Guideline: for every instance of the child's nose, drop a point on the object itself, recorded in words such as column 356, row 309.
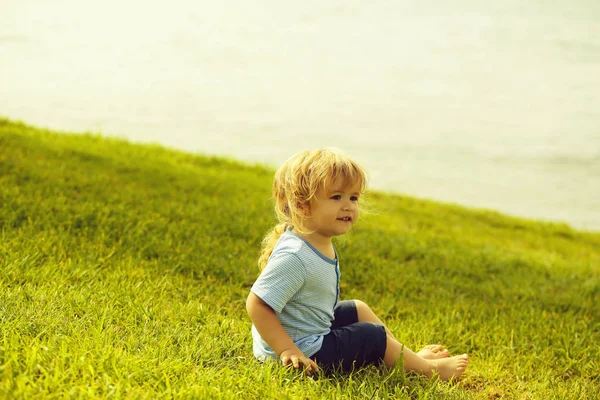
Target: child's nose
column 349, row 206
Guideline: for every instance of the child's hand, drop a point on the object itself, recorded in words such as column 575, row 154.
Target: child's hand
column 295, row 357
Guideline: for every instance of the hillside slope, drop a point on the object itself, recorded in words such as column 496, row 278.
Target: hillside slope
column 124, row 270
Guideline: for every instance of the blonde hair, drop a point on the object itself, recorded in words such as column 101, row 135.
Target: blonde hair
column 296, row 184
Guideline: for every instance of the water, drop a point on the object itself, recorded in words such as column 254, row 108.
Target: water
column 487, row 105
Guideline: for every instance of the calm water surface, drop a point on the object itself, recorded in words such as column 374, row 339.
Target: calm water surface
column 487, row 105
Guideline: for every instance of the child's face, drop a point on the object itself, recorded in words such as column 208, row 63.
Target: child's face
column 334, row 211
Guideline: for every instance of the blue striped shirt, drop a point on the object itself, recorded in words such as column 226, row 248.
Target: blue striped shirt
column 302, row 286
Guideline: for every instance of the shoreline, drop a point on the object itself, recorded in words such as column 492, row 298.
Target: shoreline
column 441, row 200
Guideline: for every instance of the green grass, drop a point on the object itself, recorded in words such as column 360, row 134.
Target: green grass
column 124, row 270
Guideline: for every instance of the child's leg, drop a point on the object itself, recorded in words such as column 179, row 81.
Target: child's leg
column 447, row 368
column 430, row 352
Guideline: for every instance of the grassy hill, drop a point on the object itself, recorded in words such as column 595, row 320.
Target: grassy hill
column 124, row 270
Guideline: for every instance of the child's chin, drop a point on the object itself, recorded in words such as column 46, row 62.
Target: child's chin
column 344, row 231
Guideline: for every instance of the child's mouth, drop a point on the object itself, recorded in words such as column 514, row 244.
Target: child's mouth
column 345, row 219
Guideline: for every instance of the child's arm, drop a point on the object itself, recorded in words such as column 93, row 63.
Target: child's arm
column 268, row 325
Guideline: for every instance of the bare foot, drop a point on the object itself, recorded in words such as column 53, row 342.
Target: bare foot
column 433, row 352
column 453, row 367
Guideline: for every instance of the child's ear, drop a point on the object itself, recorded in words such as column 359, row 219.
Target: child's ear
column 304, row 209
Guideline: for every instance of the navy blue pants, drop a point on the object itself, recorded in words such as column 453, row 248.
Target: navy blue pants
column 351, row 344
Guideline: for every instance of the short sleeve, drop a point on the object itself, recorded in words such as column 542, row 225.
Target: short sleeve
column 281, row 279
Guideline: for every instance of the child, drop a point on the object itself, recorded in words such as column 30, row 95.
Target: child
column 294, row 303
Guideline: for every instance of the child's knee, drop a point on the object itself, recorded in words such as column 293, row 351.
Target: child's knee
column 364, row 312
column 361, row 306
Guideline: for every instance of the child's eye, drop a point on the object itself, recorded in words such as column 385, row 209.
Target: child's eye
column 354, row 198
column 336, row 197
